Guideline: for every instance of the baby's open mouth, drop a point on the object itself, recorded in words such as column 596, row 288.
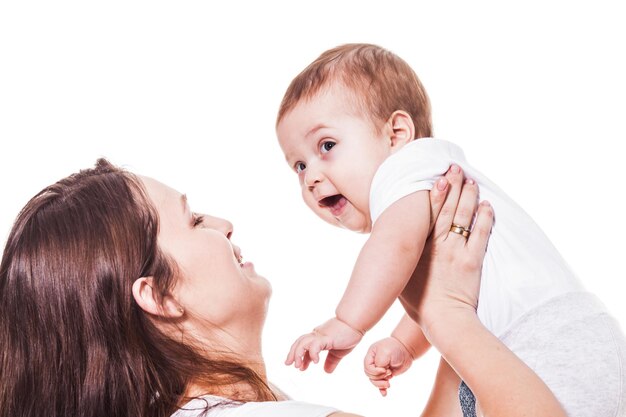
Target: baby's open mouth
column 330, row 201
column 334, row 202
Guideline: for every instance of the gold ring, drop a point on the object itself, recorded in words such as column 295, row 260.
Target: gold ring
column 463, row 231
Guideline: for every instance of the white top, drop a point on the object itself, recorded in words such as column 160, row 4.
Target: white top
column 521, row 269
column 223, row 407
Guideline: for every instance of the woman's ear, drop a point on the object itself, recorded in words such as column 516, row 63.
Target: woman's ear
column 402, row 129
column 146, row 298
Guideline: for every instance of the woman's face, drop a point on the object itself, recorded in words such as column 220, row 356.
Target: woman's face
column 214, row 286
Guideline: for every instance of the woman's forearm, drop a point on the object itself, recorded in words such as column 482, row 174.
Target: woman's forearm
column 502, row 384
column 445, row 308
column 444, row 397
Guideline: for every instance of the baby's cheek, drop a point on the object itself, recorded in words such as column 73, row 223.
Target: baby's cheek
column 323, row 214
column 362, row 216
column 360, row 223
column 367, row 228
column 310, row 202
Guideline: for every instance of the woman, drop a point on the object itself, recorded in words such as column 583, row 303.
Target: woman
column 117, row 300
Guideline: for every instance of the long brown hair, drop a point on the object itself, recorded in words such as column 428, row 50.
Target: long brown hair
column 73, row 341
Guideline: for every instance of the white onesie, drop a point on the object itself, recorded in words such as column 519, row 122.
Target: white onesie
column 522, row 268
column 529, row 297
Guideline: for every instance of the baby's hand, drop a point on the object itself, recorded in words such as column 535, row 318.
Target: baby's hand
column 335, row 336
column 384, row 360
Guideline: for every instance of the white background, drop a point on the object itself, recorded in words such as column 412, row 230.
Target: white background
column 187, row 92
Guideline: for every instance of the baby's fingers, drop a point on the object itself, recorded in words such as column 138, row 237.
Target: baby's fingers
column 314, row 349
column 384, row 375
column 297, row 352
column 369, row 365
column 306, row 361
column 382, row 385
column 373, row 371
column 377, row 372
column 332, row 360
column 291, row 356
column 306, row 350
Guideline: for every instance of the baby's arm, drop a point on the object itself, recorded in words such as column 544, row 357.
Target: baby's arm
column 382, row 270
column 392, row 356
column 386, row 262
column 410, row 334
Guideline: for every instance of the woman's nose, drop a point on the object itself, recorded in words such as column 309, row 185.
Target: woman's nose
column 219, row 224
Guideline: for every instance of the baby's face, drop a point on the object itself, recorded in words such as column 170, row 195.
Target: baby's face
column 335, row 151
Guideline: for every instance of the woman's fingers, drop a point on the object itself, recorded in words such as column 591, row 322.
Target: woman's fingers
column 437, row 198
column 465, row 210
column 477, row 241
column 454, row 176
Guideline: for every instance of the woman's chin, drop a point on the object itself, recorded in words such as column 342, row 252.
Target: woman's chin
column 248, row 268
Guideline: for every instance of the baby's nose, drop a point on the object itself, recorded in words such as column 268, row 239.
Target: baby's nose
column 312, row 177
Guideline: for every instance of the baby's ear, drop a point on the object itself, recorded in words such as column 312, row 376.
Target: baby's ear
column 146, row 298
column 402, row 129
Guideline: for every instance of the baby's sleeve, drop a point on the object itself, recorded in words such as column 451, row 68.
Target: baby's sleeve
column 415, row 167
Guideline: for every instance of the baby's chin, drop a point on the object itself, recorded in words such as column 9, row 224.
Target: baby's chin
column 353, row 225
column 362, row 227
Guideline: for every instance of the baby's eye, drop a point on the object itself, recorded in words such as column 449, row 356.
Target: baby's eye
column 327, row 146
column 299, row 167
column 197, row 219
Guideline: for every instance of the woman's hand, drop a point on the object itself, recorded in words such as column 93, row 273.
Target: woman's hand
column 453, row 262
column 435, row 291
column 446, row 285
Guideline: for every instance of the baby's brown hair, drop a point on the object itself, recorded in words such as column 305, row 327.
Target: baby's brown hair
column 381, row 81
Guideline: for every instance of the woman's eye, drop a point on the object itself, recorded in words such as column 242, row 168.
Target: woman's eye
column 327, row 146
column 299, row 166
column 197, row 220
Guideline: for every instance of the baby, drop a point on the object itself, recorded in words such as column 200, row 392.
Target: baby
column 355, row 126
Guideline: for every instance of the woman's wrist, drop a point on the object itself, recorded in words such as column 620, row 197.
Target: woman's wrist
column 491, row 370
column 446, row 328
